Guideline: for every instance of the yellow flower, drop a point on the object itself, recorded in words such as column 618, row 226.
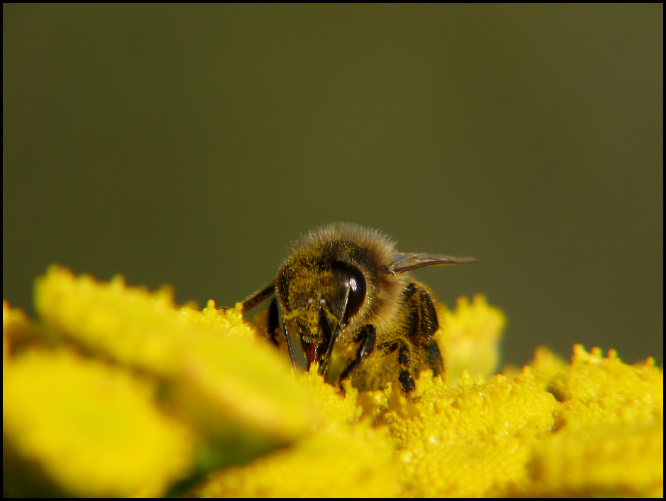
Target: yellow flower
column 93, row 429
column 469, row 338
column 159, row 396
column 340, row 460
column 234, row 396
column 610, row 436
column 604, row 460
column 604, row 391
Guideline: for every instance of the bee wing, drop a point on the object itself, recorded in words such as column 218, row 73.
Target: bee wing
column 259, row 297
column 403, row 262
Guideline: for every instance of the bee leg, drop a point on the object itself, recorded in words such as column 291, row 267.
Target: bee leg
column 434, row 358
column 291, row 351
column 273, row 323
column 424, row 334
column 407, row 373
column 424, row 328
column 273, row 327
column 367, row 336
column 258, row 297
column 419, row 345
column 406, row 377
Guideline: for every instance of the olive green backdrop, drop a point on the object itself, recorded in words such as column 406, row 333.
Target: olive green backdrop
column 189, row 144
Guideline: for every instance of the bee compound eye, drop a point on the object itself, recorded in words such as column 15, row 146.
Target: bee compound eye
column 356, row 284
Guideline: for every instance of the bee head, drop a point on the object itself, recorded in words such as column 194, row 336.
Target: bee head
column 337, row 278
column 319, row 296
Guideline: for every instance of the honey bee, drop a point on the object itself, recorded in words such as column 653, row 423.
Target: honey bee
column 345, row 295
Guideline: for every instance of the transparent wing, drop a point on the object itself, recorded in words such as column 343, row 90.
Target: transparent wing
column 403, row 262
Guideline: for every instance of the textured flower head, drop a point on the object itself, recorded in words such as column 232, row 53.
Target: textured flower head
column 117, row 391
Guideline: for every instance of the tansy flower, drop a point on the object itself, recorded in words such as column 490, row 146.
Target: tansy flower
column 117, row 391
column 78, row 425
column 231, row 397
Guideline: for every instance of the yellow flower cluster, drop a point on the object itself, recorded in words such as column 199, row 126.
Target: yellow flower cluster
column 116, row 391
column 117, row 380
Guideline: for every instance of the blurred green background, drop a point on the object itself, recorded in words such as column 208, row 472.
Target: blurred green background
column 189, row 144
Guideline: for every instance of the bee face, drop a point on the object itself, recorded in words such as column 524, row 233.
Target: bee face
column 344, row 288
column 319, row 298
column 333, row 281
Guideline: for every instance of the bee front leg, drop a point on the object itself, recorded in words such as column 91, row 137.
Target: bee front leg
column 273, row 323
column 258, row 297
column 367, row 336
column 274, row 328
